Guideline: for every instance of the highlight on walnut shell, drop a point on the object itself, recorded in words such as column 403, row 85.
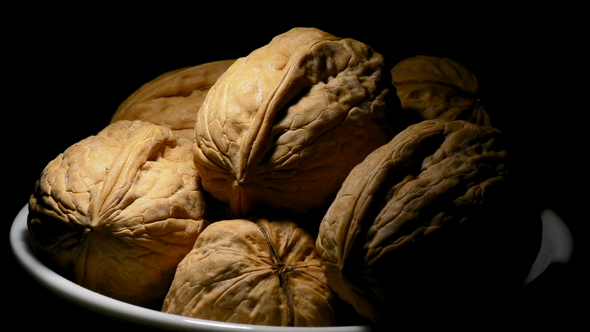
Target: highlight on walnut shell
column 116, row 212
column 390, row 233
column 173, row 98
column 436, row 87
column 284, row 125
column 253, row 272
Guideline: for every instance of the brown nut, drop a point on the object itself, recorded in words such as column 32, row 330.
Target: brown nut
column 116, row 212
column 438, row 88
column 399, row 202
column 262, row 272
column 284, row 126
column 173, row 98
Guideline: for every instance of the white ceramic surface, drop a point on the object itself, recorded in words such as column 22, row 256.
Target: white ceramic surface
column 556, row 247
column 557, row 244
column 62, row 287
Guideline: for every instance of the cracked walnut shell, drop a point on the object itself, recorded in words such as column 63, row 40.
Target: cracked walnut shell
column 116, row 212
column 394, row 221
column 253, row 272
column 283, row 126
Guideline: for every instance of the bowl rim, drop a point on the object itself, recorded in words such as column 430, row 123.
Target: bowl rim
column 556, row 247
column 64, row 288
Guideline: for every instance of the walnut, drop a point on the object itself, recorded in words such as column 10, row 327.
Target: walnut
column 438, row 88
column 396, row 216
column 262, row 272
column 116, row 212
column 284, row 126
column 173, row 98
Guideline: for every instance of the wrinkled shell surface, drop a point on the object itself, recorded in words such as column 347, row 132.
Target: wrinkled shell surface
column 116, row 212
column 438, row 88
column 248, row 272
column 432, row 176
column 283, row 126
column 173, row 98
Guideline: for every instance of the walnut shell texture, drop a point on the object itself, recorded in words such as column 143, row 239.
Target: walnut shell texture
column 116, row 212
column 173, row 98
column 262, row 272
column 431, row 178
column 439, row 88
column 283, row 126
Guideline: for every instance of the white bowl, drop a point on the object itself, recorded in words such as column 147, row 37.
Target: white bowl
column 64, row 288
column 556, row 247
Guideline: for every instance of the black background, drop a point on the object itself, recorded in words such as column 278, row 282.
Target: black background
column 69, row 68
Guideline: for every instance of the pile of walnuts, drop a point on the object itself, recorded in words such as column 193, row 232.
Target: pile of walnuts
column 287, row 187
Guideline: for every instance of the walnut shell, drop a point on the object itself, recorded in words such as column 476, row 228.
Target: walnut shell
column 284, row 126
column 399, row 210
column 173, row 98
column 439, row 88
column 116, row 212
column 262, row 272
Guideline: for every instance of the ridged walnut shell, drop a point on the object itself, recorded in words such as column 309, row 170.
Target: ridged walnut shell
column 116, row 212
column 285, row 125
column 398, row 211
column 173, row 98
column 439, row 88
column 262, row 272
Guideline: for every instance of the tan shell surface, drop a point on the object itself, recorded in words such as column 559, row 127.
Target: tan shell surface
column 439, row 88
column 173, row 98
column 261, row 272
column 116, row 212
column 430, row 178
column 283, row 126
